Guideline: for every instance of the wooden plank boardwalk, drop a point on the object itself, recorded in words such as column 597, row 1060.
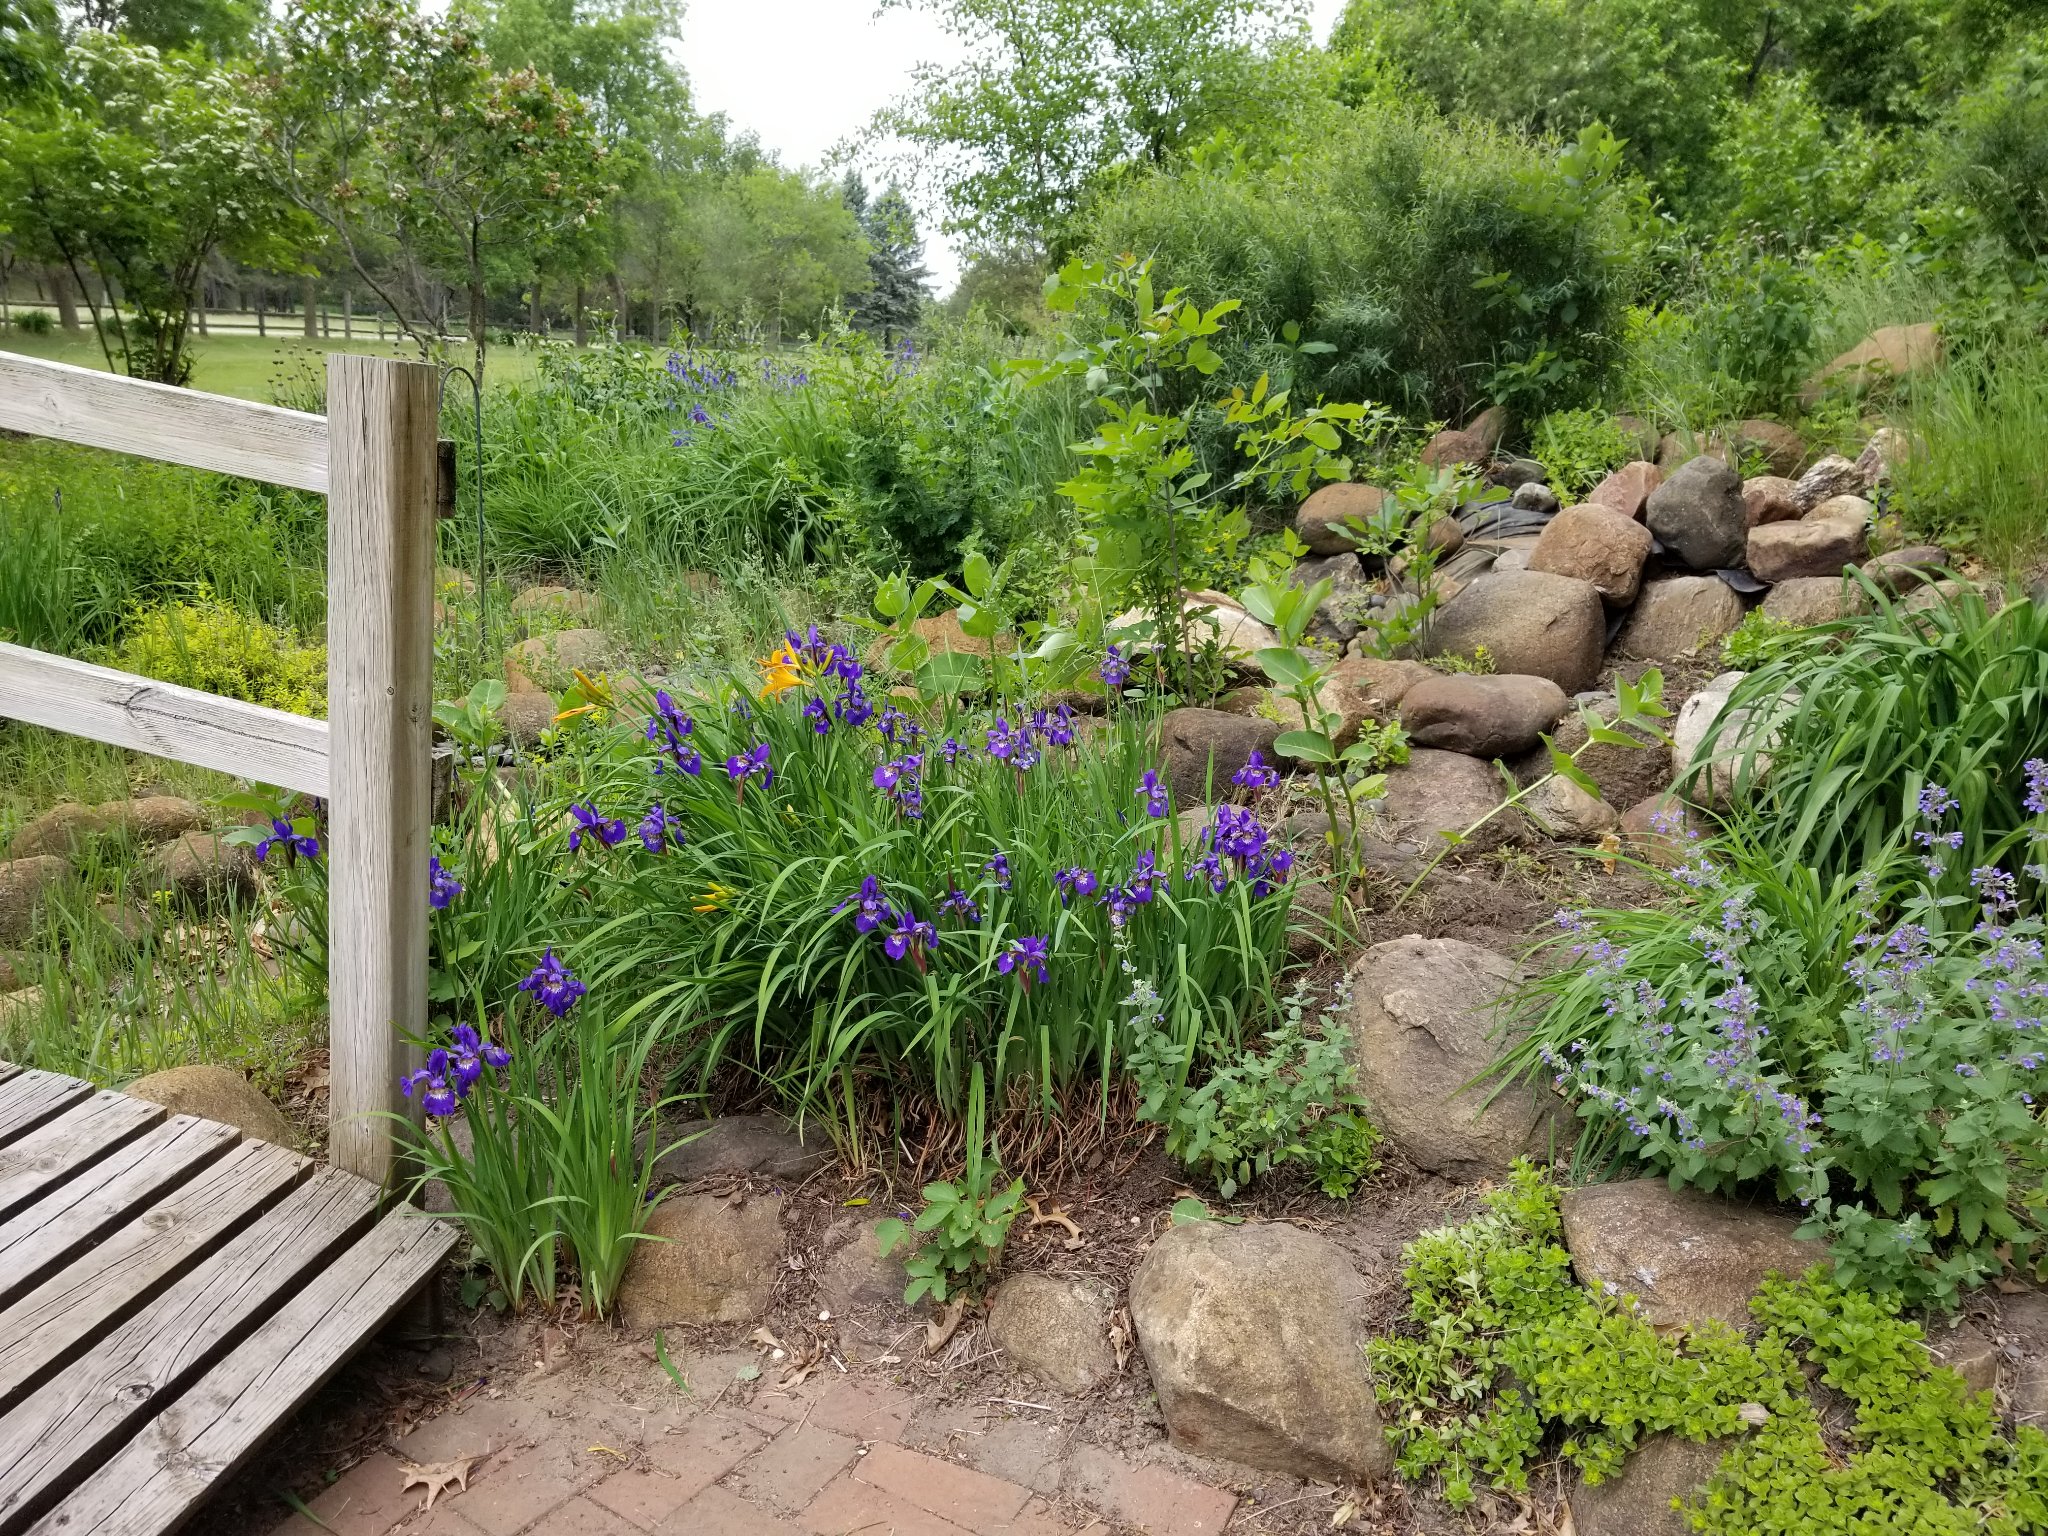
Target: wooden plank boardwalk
column 169, row 1294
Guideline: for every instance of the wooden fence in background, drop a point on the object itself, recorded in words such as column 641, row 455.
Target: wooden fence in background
column 375, row 456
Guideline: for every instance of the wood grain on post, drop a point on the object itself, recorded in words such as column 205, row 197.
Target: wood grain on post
column 383, row 434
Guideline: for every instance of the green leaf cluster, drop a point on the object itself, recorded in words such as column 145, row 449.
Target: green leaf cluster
column 963, row 1226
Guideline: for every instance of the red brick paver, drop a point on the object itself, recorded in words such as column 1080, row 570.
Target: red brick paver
column 866, row 1410
column 848, row 1505
column 967, row 1498
column 718, row 1512
column 796, row 1464
column 1157, row 1501
column 679, row 1467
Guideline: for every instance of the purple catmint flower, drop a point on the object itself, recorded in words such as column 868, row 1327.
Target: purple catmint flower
column 442, row 886
column 1936, row 802
column 1116, row 669
column 2036, row 770
column 871, row 905
column 1255, row 774
column 1154, row 794
column 553, row 985
column 670, row 730
column 1025, row 958
column 609, row 831
column 303, row 844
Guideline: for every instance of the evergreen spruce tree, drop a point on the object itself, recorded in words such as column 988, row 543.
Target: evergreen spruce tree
column 901, row 288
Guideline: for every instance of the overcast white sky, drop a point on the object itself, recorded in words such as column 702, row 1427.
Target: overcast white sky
column 805, row 74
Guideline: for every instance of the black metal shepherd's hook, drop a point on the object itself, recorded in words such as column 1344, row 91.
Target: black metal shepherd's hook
column 476, row 392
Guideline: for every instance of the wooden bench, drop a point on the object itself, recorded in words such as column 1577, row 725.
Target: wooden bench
column 169, row 1294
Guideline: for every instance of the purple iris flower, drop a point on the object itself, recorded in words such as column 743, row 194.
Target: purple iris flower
column 609, row 831
column 746, row 764
column 1075, row 882
column 909, row 939
column 1026, row 958
column 658, row 829
column 670, row 729
column 998, row 869
column 300, row 843
column 853, row 707
column 1255, row 774
column 874, row 906
column 820, row 716
column 1153, row 793
column 962, row 903
column 1116, row 669
column 442, row 887
column 553, row 985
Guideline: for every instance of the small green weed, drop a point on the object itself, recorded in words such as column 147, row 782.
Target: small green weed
column 1579, row 448
column 964, row 1225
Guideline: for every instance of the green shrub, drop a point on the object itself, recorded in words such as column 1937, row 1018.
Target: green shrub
column 1997, row 157
column 1861, row 1044
column 207, row 645
column 1579, row 448
column 34, row 322
column 1431, row 266
column 1502, row 1360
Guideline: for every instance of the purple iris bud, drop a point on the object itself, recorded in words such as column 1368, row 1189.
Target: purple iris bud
column 1025, row 958
column 609, row 831
column 950, row 749
column 960, row 902
column 442, row 887
column 553, row 985
column 1153, row 793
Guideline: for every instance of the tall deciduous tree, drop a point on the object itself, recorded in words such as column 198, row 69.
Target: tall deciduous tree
column 425, row 163
column 1053, row 97
column 135, row 167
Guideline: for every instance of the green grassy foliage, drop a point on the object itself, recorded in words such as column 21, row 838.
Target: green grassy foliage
column 1976, row 471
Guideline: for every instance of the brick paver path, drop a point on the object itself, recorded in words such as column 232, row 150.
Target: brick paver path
column 827, row 1460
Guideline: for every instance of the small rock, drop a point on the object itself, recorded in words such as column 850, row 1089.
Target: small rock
column 1449, row 447
column 1952, row 593
column 1374, row 687
column 1437, row 792
column 1058, row 1330
column 1676, row 448
column 764, row 1144
column 216, row 1093
column 1534, row 496
column 1686, row 1256
column 564, row 605
column 1661, row 829
column 1768, row 499
column 1787, row 551
column 526, row 713
column 1638, row 1500
column 856, row 1273
column 1697, row 719
column 454, row 581
column 1563, row 810
column 1532, row 622
column 1312, row 914
column 1204, row 747
column 1783, row 448
column 1843, row 509
column 718, row 1263
column 1319, row 521
column 1238, row 635
column 64, row 830
column 25, row 885
column 1886, row 448
column 1965, row 1351
column 127, row 921
column 1833, row 476
column 1679, row 616
column 1254, row 1336
column 203, row 870
column 547, row 661
column 1481, row 716
column 1513, row 474
column 1698, row 516
column 1805, row 601
column 1597, row 544
column 1903, row 570
column 153, row 819
column 1423, row 1016
column 437, row 1365
column 1627, row 489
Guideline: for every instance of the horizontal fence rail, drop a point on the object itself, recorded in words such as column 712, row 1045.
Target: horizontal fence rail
column 267, row 746
column 159, row 421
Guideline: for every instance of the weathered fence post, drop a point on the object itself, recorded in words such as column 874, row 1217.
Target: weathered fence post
column 383, row 428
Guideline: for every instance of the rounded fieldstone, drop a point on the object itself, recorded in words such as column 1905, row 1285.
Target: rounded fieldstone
column 711, row 1261
column 1805, row 601
column 1204, row 747
column 856, row 1273
column 1660, row 829
column 547, row 661
column 1424, row 1013
column 1625, row 490
column 1679, row 616
column 1450, row 447
column 1530, row 622
column 1597, row 544
column 1319, row 521
column 204, row 870
column 153, row 819
column 1830, row 477
column 1638, row 1500
column 1435, row 792
column 1481, row 716
column 63, row 830
column 1769, row 499
column 25, row 886
column 216, row 1093
column 1814, row 547
column 1904, row 570
column 1562, row 809
column 1782, row 447
column 1058, row 1330
column 1697, row 514
column 1254, row 1336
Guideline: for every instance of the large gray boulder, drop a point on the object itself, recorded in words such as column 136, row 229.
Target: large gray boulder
column 1254, row 1336
column 1698, row 516
column 1679, row 616
column 1204, row 747
column 1481, row 716
column 710, row 1261
column 1532, row 622
column 1686, row 1256
column 1057, row 1330
column 1423, row 1016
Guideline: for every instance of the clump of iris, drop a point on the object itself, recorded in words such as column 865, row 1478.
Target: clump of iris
column 1236, row 843
column 670, row 730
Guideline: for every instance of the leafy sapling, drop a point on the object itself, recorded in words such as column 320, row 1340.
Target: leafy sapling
column 963, row 1225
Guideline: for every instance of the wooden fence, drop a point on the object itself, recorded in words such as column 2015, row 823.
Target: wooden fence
column 375, row 456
